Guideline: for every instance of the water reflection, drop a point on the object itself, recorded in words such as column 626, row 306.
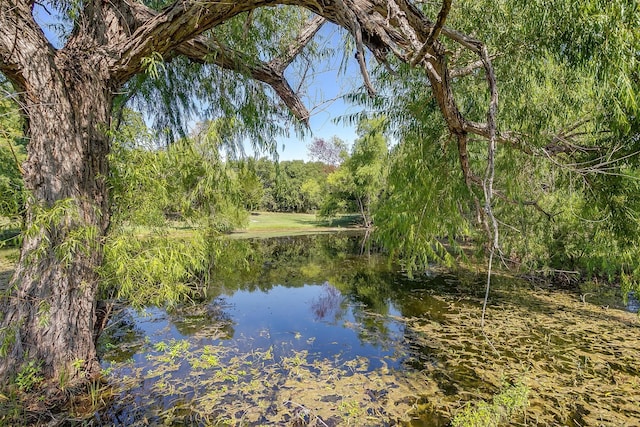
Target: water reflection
column 307, row 327
column 328, row 304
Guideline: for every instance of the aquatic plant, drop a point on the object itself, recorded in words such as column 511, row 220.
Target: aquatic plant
column 510, row 400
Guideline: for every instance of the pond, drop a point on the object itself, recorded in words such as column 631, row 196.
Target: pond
column 318, row 330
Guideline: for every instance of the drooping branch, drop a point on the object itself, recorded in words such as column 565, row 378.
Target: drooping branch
column 395, row 26
column 487, row 183
column 201, row 50
column 271, row 73
column 492, row 113
column 356, row 30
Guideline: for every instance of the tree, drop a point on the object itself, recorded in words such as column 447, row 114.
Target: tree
column 331, row 152
column 311, row 195
column 566, row 162
column 68, row 95
column 251, row 186
column 368, row 166
column 361, row 179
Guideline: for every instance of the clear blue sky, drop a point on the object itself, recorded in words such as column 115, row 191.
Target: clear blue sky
column 322, row 93
column 323, row 97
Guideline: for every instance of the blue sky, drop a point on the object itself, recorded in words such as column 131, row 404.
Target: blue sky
column 322, row 95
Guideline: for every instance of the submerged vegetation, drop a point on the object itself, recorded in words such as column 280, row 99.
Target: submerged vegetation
column 504, row 405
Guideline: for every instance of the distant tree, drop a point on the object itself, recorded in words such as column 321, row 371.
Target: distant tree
column 332, row 152
column 368, row 165
column 361, row 179
column 251, row 187
column 312, row 195
column 340, row 195
column 283, row 184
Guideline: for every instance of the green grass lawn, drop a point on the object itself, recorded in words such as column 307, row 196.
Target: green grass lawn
column 265, row 224
column 8, row 259
column 271, row 224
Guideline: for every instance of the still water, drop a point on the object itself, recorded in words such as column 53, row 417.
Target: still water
column 320, row 330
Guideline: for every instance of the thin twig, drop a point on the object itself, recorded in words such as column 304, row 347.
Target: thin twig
column 490, row 171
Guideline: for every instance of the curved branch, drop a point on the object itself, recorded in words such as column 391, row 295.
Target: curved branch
column 142, row 20
column 21, row 43
column 202, row 51
column 163, row 32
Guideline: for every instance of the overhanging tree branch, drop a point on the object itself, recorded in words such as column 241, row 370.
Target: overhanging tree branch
column 163, row 32
column 201, row 50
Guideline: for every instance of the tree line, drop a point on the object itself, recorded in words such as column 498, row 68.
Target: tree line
column 198, row 178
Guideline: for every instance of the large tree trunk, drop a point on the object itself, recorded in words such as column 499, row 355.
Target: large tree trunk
column 49, row 314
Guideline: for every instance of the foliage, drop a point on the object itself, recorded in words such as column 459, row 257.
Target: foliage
column 361, row 178
column 29, row 376
column 251, row 189
column 12, row 154
column 509, row 401
column 567, row 168
column 180, row 90
column 188, row 180
column 157, row 270
column 289, row 186
column 78, row 238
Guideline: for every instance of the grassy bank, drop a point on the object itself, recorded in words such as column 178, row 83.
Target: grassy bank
column 8, row 258
column 260, row 225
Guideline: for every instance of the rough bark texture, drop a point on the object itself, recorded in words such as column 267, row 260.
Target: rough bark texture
column 50, row 313
column 67, row 96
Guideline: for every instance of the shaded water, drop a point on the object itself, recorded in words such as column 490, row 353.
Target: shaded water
column 309, row 331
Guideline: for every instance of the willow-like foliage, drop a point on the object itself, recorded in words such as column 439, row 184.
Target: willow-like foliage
column 565, row 180
column 12, row 154
column 175, row 93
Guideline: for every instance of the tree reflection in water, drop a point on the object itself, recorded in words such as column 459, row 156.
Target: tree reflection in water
column 327, row 305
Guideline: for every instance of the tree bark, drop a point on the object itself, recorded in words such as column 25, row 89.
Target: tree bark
column 50, row 316
column 49, row 313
